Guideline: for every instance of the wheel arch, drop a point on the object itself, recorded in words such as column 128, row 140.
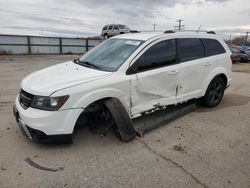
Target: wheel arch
column 116, row 110
column 218, row 72
column 224, row 78
column 102, row 94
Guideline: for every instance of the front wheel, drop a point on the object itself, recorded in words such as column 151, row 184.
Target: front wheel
column 214, row 93
column 106, row 36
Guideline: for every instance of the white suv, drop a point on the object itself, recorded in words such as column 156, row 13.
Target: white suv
column 114, row 29
column 120, row 79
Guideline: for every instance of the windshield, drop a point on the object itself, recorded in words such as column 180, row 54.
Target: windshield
column 111, row 54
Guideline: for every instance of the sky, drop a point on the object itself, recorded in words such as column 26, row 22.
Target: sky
column 80, row 18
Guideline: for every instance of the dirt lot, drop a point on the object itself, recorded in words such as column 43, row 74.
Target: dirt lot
column 206, row 148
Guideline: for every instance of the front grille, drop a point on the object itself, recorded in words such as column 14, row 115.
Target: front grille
column 25, row 99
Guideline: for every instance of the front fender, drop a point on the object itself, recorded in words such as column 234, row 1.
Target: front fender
column 99, row 94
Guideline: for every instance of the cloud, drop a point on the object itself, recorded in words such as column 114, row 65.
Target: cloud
column 217, row 1
column 87, row 17
column 52, row 30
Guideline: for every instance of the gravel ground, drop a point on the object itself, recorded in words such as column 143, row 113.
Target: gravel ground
column 206, row 148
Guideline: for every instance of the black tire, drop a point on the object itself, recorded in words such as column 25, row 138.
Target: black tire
column 214, row 93
column 243, row 60
column 123, row 123
column 106, row 36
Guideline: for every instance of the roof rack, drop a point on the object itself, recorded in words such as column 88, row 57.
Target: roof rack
column 169, row 31
column 197, row 31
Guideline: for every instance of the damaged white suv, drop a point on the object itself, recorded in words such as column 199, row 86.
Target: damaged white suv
column 121, row 79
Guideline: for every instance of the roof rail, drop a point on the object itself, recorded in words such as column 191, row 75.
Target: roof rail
column 211, row 32
column 197, row 31
column 169, row 31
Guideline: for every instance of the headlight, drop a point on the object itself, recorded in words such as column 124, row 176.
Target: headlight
column 48, row 103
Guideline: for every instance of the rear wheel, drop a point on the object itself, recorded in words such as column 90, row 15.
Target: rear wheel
column 214, row 93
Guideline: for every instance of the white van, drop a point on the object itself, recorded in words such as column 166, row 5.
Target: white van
column 121, row 79
column 113, row 30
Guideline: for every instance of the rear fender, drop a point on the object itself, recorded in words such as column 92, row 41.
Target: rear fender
column 217, row 71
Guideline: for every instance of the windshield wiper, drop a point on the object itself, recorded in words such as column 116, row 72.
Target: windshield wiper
column 86, row 63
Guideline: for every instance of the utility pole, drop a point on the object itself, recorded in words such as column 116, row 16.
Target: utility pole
column 246, row 37
column 199, row 29
column 154, row 25
column 179, row 27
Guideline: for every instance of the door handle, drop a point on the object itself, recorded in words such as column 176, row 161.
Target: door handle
column 208, row 63
column 173, row 72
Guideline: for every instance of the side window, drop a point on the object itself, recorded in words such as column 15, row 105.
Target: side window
column 122, row 26
column 115, row 27
column 191, row 49
column 213, row 47
column 105, row 27
column 161, row 54
column 110, row 27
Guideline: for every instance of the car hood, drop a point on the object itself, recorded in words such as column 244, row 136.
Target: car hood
column 60, row 76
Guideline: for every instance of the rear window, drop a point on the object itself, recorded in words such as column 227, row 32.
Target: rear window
column 213, row 47
column 123, row 27
column 191, row 49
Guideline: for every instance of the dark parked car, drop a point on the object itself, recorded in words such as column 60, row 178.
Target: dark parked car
column 247, row 52
column 239, row 56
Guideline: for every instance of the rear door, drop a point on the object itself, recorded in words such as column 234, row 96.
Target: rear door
column 198, row 58
column 193, row 65
column 154, row 77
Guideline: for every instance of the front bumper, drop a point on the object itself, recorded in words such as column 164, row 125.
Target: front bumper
column 20, row 123
column 46, row 126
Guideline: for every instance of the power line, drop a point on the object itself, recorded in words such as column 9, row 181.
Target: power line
column 179, row 27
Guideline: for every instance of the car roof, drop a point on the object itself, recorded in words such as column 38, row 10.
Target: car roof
column 138, row 36
column 144, row 36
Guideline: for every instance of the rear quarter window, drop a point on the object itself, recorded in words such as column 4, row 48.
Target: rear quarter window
column 213, row 47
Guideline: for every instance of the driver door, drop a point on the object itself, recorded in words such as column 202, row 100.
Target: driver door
column 155, row 77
